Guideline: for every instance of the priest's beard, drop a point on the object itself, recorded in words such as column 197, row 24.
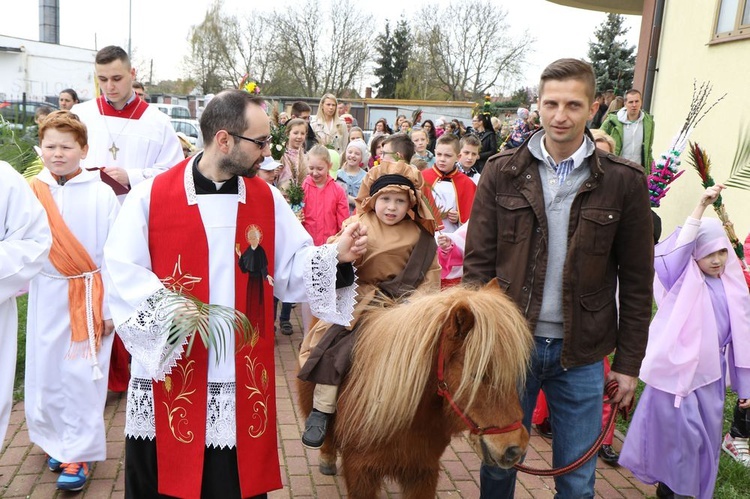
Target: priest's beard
column 236, row 162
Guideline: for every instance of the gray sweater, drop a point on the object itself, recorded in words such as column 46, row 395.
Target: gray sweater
column 558, row 199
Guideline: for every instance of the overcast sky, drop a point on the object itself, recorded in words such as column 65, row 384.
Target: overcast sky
column 160, row 28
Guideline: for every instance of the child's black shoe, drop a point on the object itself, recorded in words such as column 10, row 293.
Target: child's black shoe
column 315, row 429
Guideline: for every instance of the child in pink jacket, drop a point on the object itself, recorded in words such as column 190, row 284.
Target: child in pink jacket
column 326, row 206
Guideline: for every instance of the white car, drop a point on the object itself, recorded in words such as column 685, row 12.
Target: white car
column 173, row 111
column 191, row 128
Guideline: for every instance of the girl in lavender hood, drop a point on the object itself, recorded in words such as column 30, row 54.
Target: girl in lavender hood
column 702, row 328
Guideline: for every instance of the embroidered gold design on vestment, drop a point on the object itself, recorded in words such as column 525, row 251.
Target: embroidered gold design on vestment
column 176, row 410
column 257, row 374
column 179, row 282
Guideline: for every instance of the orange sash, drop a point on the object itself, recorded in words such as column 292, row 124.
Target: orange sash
column 85, row 288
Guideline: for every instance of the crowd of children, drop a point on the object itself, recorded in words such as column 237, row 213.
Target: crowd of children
column 414, row 191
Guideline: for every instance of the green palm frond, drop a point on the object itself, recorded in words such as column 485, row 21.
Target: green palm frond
column 192, row 318
column 14, row 149
column 739, row 175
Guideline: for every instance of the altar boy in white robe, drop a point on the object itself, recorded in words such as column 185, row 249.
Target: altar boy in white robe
column 69, row 330
column 199, row 425
column 129, row 139
column 24, row 243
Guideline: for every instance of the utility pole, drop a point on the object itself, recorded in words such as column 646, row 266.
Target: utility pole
column 130, row 26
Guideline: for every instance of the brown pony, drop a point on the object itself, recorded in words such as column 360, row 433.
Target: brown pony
column 391, row 420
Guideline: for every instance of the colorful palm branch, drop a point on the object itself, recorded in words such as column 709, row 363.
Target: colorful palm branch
column 702, row 164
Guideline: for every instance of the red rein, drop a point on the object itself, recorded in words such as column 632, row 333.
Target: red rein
column 443, row 391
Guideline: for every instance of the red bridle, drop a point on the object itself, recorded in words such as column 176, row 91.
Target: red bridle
column 444, row 392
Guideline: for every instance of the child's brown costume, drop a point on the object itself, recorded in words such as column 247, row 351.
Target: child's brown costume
column 400, row 259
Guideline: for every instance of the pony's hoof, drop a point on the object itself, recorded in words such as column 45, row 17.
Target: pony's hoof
column 327, row 469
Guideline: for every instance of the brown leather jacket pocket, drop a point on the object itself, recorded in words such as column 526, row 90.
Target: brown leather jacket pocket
column 598, row 317
column 598, row 229
column 515, row 217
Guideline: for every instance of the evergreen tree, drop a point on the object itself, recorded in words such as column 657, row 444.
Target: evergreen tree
column 393, row 58
column 386, row 84
column 612, row 59
column 400, row 52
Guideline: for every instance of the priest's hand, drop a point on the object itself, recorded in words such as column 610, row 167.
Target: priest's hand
column 118, row 174
column 352, row 243
column 109, row 327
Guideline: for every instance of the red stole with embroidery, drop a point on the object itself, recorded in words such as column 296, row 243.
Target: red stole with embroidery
column 179, row 256
column 463, row 187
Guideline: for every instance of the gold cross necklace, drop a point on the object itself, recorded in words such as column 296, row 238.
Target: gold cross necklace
column 114, row 149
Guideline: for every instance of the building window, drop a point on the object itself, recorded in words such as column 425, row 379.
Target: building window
column 732, row 21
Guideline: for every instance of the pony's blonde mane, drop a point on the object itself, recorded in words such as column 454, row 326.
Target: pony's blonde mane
column 396, row 350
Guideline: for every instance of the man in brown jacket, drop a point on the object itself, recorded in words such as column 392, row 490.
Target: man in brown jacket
column 561, row 226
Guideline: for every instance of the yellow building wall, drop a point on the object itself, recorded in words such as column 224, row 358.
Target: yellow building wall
column 685, row 56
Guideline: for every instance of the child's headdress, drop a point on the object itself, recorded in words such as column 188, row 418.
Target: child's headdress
column 396, row 177
column 711, row 237
column 360, row 144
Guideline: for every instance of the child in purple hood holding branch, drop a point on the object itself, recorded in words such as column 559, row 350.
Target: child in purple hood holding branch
column 702, row 328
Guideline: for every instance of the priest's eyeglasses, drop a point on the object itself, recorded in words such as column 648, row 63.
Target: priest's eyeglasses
column 262, row 143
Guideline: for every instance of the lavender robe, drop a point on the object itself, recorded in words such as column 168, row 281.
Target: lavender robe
column 675, row 435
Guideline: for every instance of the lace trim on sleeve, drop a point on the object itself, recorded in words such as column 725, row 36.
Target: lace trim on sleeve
column 220, row 413
column 326, row 302
column 145, row 335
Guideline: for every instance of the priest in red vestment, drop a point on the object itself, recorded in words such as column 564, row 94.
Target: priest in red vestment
column 204, row 424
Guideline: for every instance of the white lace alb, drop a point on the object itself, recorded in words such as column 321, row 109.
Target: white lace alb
column 220, row 413
column 326, row 302
column 145, row 334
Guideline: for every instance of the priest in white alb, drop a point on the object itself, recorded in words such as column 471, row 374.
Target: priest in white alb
column 25, row 241
column 202, row 425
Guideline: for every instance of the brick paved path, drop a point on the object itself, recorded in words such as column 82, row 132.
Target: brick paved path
column 23, row 472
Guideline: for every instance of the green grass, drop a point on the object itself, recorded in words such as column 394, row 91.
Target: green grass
column 733, row 481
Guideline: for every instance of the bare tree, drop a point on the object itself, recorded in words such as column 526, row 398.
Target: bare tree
column 322, row 51
column 208, row 51
column 418, row 81
column 469, row 47
column 296, row 46
column 349, row 49
column 250, row 42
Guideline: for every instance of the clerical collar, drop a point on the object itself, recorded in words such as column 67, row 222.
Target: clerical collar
column 132, row 98
column 207, row 186
column 63, row 179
